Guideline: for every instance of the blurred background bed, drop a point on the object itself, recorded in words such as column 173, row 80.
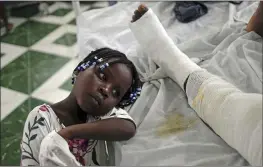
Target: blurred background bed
column 45, row 47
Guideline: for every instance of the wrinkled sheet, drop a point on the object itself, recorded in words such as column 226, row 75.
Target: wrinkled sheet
column 217, row 41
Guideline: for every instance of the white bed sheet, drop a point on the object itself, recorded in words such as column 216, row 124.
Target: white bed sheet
column 218, row 38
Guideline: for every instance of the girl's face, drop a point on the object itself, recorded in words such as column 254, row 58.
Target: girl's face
column 97, row 92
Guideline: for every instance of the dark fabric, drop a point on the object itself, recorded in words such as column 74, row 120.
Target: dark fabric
column 186, row 11
column 111, row 3
column 236, row 2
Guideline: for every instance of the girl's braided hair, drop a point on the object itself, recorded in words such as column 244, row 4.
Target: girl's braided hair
column 111, row 56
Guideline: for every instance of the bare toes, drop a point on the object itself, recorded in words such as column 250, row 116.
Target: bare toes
column 142, row 9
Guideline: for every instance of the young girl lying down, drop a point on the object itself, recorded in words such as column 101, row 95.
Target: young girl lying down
column 66, row 133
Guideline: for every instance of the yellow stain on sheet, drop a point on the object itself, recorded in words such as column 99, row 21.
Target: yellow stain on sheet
column 173, row 124
column 199, row 97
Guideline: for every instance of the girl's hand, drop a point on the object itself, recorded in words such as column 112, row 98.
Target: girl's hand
column 142, row 9
column 66, row 133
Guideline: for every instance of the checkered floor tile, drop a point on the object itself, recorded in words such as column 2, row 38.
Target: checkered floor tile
column 39, row 50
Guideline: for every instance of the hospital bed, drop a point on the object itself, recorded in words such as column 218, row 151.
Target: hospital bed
column 217, row 42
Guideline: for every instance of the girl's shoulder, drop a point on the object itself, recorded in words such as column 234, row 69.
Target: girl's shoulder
column 44, row 114
column 41, row 111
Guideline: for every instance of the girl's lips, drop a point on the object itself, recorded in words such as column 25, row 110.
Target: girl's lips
column 96, row 99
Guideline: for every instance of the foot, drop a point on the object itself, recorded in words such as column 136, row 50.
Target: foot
column 138, row 13
column 256, row 21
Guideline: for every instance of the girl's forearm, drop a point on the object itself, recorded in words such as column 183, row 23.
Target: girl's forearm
column 112, row 129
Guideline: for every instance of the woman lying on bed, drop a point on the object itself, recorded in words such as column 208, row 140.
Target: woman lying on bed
column 234, row 115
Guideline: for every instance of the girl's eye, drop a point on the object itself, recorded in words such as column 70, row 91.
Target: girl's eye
column 102, row 76
column 116, row 93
